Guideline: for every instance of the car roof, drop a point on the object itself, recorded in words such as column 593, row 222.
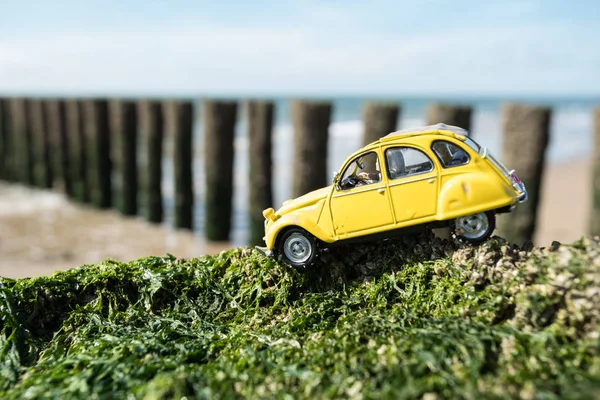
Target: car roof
column 437, row 129
column 456, row 130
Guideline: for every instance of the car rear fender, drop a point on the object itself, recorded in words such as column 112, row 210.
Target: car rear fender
column 472, row 193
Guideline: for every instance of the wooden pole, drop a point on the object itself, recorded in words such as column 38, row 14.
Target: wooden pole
column 22, row 141
column 219, row 129
column 4, row 149
column 595, row 214
column 64, row 148
column 179, row 117
column 526, row 134
column 99, row 160
column 151, row 135
column 75, row 130
column 7, row 170
column 10, row 159
column 311, row 121
column 260, row 134
column 56, row 118
column 123, row 117
column 449, row 114
column 40, row 142
column 379, row 120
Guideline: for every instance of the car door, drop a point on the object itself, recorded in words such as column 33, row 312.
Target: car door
column 361, row 205
column 413, row 182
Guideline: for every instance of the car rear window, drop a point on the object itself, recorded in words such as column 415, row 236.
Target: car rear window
column 474, row 145
column 450, row 154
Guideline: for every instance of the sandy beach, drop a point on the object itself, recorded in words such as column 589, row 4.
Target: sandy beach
column 564, row 212
column 47, row 233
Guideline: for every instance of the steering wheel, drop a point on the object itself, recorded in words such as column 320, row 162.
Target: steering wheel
column 349, row 182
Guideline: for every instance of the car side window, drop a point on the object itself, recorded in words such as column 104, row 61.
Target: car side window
column 449, row 154
column 363, row 170
column 406, row 161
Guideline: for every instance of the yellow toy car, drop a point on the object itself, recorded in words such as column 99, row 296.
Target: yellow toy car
column 424, row 178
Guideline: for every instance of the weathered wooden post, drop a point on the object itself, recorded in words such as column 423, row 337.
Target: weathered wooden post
column 526, row 134
column 40, row 143
column 123, row 127
column 22, row 135
column 449, row 114
column 379, row 120
column 10, row 160
column 6, row 147
column 260, row 134
column 179, row 119
column 151, row 134
column 310, row 120
column 3, row 140
column 56, row 118
column 595, row 217
column 219, row 128
column 75, row 128
column 99, row 160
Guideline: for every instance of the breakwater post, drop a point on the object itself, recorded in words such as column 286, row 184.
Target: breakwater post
column 260, row 135
column 99, row 157
column 310, row 121
column 59, row 145
column 595, row 212
column 179, row 118
column 41, row 143
column 124, row 133
column 6, row 150
column 525, row 137
column 219, row 129
column 22, row 141
column 78, row 148
column 151, row 124
column 379, row 119
column 449, row 114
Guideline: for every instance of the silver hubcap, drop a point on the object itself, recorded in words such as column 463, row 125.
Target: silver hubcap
column 472, row 226
column 297, row 248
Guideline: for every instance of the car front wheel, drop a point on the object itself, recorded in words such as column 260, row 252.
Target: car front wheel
column 298, row 248
column 475, row 228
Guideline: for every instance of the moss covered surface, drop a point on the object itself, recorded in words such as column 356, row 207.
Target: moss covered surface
column 415, row 317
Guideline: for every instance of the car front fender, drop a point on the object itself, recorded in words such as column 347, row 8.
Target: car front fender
column 306, row 218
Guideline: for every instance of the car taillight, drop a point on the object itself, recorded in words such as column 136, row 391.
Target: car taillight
column 514, row 177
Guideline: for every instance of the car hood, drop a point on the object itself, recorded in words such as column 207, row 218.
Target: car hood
column 304, row 200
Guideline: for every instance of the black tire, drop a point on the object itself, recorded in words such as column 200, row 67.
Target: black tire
column 298, row 248
column 475, row 228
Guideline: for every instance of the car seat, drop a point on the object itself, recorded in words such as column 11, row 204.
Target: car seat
column 397, row 167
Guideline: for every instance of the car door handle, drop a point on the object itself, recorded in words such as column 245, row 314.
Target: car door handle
column 381, row 191
column 431, row 181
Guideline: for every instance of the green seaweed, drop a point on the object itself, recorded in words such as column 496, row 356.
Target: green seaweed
column 414, row 317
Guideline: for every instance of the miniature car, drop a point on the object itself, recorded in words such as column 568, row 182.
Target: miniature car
column 424, row 178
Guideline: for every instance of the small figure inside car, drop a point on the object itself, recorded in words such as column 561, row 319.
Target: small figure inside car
column 362, row 171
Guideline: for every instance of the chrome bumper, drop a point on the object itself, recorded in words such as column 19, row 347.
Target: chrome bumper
column 265, row 251
column 519, row 187
column 523, row 195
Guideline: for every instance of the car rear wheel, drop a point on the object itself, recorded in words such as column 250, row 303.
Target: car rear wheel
column 475, row 228
column 298, row 248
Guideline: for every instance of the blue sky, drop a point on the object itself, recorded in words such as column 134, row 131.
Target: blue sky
column 277, row 47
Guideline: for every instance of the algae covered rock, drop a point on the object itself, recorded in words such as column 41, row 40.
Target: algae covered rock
column 414, row 317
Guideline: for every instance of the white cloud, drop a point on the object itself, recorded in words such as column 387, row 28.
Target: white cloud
column 302, row 59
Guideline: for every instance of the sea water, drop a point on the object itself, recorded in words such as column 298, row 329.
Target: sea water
column 571, row 137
